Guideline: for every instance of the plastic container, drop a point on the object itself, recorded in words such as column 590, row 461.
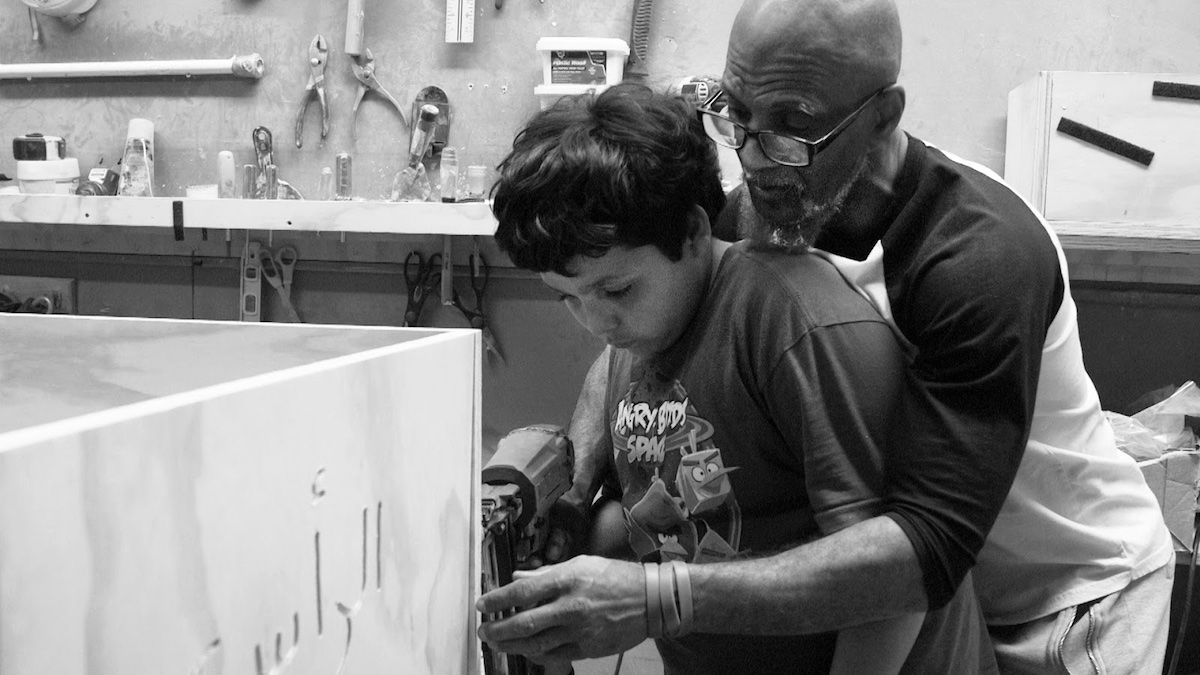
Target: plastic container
column 52, row 176
column 587, row 61
column 577, row 65
column 137, row 164
column 449, row 175
column 476, row 182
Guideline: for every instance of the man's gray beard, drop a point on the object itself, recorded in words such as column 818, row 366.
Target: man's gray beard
column 795, row 234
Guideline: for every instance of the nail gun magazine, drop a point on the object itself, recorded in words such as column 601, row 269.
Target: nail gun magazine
column 531, row 469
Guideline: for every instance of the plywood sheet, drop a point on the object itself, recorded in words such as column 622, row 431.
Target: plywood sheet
column 53, row 368
column 321, row 518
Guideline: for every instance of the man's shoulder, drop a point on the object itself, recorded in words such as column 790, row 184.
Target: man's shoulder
column 794, row 286
column 964, row 207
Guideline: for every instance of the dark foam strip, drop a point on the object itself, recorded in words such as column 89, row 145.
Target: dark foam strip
column 1105, row 141
column 1176, row 90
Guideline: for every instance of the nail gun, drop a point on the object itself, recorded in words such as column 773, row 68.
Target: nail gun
column 531, row 469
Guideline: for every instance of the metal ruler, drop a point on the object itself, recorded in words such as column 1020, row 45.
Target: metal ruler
column 460, row 21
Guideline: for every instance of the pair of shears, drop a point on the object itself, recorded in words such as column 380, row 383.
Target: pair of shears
column 277, row 267
column 318, row 55
column 475, row 316
column 421, row 277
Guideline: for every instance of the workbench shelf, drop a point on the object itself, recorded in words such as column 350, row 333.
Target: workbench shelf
column 379, row 217
column 1133, row 237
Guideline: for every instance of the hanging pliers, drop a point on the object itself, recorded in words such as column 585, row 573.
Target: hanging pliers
column 318, row 54
column 364, row 72
column 475, row 316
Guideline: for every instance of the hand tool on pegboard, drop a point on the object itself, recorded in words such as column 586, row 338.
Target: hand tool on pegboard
column 318, row 55
column 364, row 72
column 639, row 38
column 264, row 151
column 250, row 298
column 434, row 96
column 422, row 275
column 476, row 316
column 355, row 18
column 277, row 268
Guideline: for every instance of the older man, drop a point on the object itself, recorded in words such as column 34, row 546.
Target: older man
column 1074, row 563
column 1001, row 459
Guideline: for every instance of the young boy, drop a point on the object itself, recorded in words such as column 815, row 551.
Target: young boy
column 748, row 392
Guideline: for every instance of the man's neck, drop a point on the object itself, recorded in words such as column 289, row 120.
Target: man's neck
column 871, row 197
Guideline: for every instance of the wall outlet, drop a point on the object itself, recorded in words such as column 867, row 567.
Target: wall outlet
column 60, row 292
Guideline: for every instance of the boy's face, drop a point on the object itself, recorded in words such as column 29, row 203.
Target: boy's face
column 636, row 298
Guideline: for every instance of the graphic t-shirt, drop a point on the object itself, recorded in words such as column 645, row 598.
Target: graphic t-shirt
column 761, row 429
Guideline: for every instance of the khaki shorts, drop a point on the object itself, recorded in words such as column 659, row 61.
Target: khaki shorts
column 1122, row 633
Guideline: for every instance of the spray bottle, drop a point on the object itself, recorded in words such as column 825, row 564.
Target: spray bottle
column 137, row 167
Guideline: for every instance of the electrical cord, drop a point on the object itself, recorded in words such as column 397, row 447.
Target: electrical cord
column 1187, row 607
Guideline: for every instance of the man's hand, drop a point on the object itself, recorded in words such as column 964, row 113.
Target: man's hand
column 585, row 608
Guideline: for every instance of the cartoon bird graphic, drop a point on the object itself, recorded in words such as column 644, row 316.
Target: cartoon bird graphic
column 703, row 480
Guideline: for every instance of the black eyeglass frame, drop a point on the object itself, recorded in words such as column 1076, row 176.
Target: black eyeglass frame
column 811, row 147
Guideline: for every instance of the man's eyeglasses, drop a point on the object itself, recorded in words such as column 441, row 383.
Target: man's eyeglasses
column 780, row 148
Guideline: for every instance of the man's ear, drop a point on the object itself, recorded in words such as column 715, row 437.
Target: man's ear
column 890, row 108
column 699, row 229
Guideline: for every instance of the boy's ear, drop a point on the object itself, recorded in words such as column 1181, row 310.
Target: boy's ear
column 699, row 227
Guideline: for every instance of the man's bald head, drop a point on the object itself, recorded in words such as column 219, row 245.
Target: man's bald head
column 836, row 43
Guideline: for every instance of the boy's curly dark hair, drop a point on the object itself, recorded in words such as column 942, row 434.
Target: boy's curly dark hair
column 622, row 168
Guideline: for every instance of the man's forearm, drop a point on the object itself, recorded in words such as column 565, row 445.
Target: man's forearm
column 866, row 572
column 590, row 436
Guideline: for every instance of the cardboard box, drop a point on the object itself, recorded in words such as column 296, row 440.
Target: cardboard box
column 1174, row 478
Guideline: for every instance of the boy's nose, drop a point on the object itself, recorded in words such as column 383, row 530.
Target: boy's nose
column 599, row 322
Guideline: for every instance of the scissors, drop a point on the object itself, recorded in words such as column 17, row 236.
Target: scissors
column 277, row 267
column 421, row 278
column 364, row 72
column 476, row 317
column 318, row 55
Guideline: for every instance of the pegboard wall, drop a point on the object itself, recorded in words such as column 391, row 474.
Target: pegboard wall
column 961, row 59
column 489, row 82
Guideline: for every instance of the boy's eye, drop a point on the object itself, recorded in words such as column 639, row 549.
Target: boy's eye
column 618, row 293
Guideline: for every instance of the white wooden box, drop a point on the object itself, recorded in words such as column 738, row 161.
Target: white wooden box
column 207, row 497
column 1071, row 180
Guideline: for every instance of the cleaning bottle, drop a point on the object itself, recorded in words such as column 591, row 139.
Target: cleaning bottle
column 137, row 164
column 411, row 183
